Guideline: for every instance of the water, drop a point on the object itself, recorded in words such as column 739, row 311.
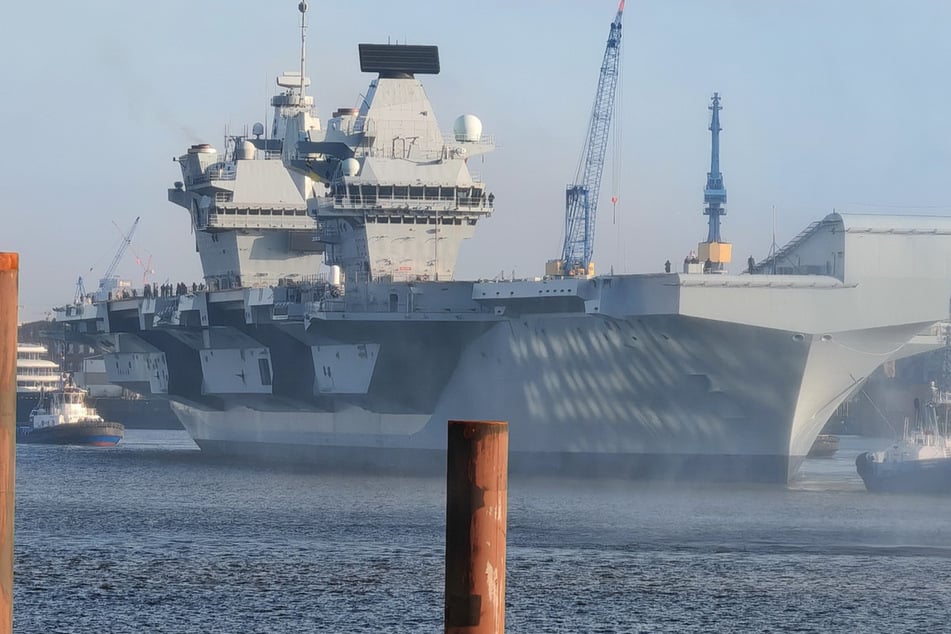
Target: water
column 152, row 536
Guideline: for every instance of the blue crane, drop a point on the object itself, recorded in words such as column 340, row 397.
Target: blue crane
column 714, row 253
column 581, row 197
column 714, row 194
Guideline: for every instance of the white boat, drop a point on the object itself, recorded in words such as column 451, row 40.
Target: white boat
column 36, row 374
column 918, row 463
column 63, row 418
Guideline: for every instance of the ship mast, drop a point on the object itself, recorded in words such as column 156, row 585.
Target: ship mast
column 302, row 7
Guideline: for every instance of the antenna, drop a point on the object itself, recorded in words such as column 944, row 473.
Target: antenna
column 302, row 7
column 772, row 246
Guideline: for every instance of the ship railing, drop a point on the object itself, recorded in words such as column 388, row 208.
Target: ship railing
column 411, row 153
column 460, row 204
column 443, row 153
column 484, row 141
column 335, row 305
column 416, row 197
column 772, row 263
column 213, row 173
column 407, row 149
column 411, row 207
column 260, row 219
column 292, row 280
column 356, row 303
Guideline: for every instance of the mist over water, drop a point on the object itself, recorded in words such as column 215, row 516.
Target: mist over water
column 153, row 536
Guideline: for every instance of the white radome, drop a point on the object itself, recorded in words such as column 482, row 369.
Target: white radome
column 245, row 150
column 350, row 167
column 467, row 128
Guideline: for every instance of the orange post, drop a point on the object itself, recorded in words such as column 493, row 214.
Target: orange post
column 9, row 273
column 476, row 510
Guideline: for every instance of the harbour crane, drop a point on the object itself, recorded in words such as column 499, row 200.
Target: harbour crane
column 145, row 266
column 581, row 197
column 714, row 253
column 108, row 282
column 126, row 240
column 80, row 294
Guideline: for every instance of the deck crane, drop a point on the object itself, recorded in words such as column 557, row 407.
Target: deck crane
column 109, row 282
column 581, row 197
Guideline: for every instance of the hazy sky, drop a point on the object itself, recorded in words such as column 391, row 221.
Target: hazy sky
column 826, row 105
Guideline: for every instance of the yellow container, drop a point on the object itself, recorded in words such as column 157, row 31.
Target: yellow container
column 716, row 252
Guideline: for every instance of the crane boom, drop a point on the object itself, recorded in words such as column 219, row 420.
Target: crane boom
column 581, row 197
column 126, row 239
column 109, row 282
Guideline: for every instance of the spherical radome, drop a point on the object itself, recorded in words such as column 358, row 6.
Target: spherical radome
column 350, row 167
column 244, row 150
column 467, row 128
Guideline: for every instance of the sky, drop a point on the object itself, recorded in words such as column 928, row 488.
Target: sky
column 826, row 106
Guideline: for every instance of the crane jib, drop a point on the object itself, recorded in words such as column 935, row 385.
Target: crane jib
column 581, row 197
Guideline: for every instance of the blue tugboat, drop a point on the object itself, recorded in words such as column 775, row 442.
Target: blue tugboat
column 919, row 463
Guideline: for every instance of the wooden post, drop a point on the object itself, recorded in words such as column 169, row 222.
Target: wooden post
column 476, row 510
column 9, row 273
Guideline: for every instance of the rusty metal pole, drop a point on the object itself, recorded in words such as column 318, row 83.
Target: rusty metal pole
column 476, row 510
column 9, row 272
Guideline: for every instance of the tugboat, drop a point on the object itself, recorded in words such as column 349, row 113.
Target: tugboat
column 63, row 418
column 919, row 463
column 824, row 446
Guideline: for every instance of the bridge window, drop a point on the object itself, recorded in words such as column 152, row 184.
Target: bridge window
column 264, row 367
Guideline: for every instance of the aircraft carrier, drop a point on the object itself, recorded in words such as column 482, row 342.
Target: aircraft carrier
column 329, row 327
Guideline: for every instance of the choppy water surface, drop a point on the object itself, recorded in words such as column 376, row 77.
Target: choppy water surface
column 151, row 536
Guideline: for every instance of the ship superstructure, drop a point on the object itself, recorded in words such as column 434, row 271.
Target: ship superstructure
column 681, row 374
column 398, row 197
column 248, row 210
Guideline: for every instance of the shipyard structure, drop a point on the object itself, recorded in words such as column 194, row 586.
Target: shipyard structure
column 329, row 327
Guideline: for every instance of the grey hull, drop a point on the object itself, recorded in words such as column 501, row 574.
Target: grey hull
column 656, row 467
